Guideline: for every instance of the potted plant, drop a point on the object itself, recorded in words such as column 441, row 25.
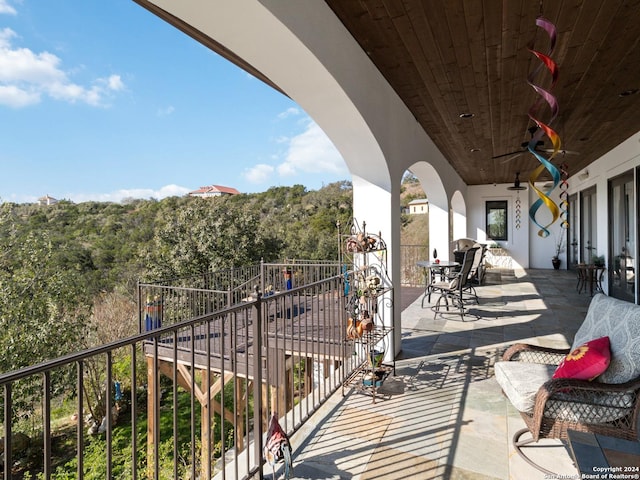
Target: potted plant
column 598, row 260
column 555, row 260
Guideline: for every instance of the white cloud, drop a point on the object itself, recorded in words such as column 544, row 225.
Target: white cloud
column 25, row 76
column 291, row 111
column 312, row 152
column 116, row 197
column 6, row 8
column 14, row 97
column 258, row 173
column 165, row 111
column 119, row 195
column 115, row 83
column 309, row 153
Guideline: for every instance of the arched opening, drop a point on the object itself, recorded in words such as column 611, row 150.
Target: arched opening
column 414, row 231
column 439, row 236
column 458, row 216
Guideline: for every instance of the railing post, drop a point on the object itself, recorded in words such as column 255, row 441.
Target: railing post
column 80, row 419
column 258, row 401
column 134, row 418
column 8, row 406
column 107, row 413
column 46, row 421
column 140, row 330
column 261, row 276
column 231, row 287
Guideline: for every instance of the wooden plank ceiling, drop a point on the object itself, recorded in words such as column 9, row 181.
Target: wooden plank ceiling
column 445, row 58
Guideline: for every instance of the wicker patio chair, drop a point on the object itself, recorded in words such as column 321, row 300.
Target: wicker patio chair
column 608, row 405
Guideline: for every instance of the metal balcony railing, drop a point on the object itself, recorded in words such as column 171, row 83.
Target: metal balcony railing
column 175, row 300
column 195, row 389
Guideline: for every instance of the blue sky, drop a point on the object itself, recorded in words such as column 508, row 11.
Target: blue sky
column 101, row 100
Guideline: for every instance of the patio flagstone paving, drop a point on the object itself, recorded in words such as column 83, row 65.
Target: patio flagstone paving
column 443, row 416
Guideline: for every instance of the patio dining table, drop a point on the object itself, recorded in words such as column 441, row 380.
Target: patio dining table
column 432, row 269
column 590, row 276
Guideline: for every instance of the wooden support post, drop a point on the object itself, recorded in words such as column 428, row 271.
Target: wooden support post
column 308, row 376
column 326, row 365
column 239, row 423
column 205, row 393
column 265, row 404
column 288, row 387
column 205, row 427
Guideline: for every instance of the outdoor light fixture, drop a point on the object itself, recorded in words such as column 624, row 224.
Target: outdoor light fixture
column 516, row 184
column 517, row 187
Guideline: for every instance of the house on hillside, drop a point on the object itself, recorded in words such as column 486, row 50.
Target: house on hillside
column 418, row 206
column 213, row 191
column 47, row 200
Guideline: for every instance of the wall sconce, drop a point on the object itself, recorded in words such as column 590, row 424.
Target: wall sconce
column 584, row 175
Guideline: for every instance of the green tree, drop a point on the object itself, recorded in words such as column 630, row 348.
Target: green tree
column 209, row 234
column 43, row 308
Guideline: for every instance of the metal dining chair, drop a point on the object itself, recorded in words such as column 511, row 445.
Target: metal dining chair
column 455, row 288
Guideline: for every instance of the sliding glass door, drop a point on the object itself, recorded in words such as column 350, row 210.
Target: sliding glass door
column 572, row 233
column 588, row 225
column 622, row 245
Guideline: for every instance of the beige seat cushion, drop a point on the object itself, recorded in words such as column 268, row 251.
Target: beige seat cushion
column 520, row 382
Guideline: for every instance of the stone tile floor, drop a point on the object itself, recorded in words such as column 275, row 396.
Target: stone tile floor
column 443, row 416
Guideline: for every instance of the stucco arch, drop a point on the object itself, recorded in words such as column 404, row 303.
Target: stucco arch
column 307, row 52
column 439, row 221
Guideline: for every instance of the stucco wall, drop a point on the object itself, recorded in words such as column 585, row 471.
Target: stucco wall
column 517, row 243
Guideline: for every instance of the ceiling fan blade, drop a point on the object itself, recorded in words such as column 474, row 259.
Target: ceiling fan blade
column 507, row 154
column 515, row 155
column 560, row 152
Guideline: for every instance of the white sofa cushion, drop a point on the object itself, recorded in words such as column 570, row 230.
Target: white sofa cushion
column 520, row 382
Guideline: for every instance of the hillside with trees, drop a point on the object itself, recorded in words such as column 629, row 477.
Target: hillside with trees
column 69, row 272
column 66, row 267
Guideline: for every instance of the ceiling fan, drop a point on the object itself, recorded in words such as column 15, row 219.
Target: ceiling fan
column 532, row 130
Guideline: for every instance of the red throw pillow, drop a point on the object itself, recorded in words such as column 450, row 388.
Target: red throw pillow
column 585, row 362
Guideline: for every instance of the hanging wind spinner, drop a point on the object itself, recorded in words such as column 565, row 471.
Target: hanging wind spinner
column 545, row 96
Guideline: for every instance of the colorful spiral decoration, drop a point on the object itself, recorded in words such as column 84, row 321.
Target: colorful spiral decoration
column 545, row 96
column 564, row 196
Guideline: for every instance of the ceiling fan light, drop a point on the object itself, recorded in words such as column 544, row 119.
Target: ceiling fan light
column 626, row 93
column 583, row 175
column 516, row 184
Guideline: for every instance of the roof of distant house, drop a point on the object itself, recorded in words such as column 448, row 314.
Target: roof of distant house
column 215, row 189
column 418, row 201
column 47, row 199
